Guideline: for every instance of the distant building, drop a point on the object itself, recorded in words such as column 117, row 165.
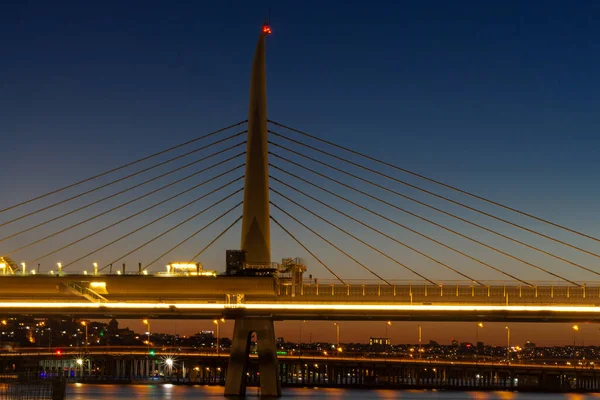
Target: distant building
column 113, row 327
column 379, row 341
column 529, row 345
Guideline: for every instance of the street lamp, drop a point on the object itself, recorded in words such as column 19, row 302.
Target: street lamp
column 79, row 362
column 95, row 268
column 3, row 322
column 420, row 342
column 24, row 266
column 507, row 344
column 147, row 322
column 337, row 334
column 575, row 329
column 388, row 323
column 300, row 339
column 84, row 323
column 217, row 323
column 479, row 325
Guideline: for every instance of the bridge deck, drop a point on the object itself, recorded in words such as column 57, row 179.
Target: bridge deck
column 209, row 297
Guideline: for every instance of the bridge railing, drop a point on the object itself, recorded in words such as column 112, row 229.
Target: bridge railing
column 423, row 292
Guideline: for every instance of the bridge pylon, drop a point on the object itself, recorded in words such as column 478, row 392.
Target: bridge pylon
column 256, row 240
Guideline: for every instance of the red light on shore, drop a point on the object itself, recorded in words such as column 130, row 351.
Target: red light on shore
column 266, row 29
column 58, row 352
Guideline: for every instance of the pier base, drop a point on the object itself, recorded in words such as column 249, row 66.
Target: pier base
column 270, row 385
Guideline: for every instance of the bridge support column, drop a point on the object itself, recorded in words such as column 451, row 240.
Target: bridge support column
column 270, row 385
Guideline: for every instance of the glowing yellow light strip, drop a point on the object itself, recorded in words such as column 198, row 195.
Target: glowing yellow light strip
column 391, row 307
column 304, row 307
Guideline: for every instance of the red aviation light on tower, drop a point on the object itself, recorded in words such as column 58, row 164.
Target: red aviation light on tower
column 266, row 29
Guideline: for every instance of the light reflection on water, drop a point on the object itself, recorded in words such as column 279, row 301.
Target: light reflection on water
column 172, row 392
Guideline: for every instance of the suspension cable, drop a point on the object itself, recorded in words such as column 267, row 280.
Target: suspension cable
column 425, row 219
column 141, row 212
column 137, row 230
column 331, row 244
column 422, row 203
column 119, row 206
column 372, row 247
column 120, row 179
column 438, row 182
column 136, row 186
column 384, row 217
column 438, row 196
column 122, row 166
column 216, row 238
column 175, row 227
column 306, row 248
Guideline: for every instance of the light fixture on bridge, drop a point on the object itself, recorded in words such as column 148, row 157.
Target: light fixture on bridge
column 188, row 269
column 59, row 267
column 95, row 268
column 99, row 287
column 24, row 268
column 266, row 29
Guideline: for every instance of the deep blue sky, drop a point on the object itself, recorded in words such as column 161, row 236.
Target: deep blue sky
column 500, row 98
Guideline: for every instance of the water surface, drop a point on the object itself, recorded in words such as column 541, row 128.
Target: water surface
column 172, row 392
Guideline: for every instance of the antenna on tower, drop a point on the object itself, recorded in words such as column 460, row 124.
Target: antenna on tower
column 267, row 25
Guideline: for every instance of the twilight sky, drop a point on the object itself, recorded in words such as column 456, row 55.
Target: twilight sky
column 499, row 98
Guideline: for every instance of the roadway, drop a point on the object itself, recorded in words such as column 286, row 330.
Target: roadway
column 177, row 297
column 142, row 351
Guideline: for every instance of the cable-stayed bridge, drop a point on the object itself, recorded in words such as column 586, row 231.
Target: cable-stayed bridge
column 425, row 249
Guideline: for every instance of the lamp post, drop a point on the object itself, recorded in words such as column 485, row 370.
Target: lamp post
column 575, row 330
column 217, row 323
column 388, row 323
column 507, row 344
column 147, row 322
column 300, row 339
column 420, row 341
column 479, row 325
column 79, row 362
column 84, row 323
column 3, row 323
column 337, row 334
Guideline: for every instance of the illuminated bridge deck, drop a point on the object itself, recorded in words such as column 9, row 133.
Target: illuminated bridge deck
column 209, row 297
